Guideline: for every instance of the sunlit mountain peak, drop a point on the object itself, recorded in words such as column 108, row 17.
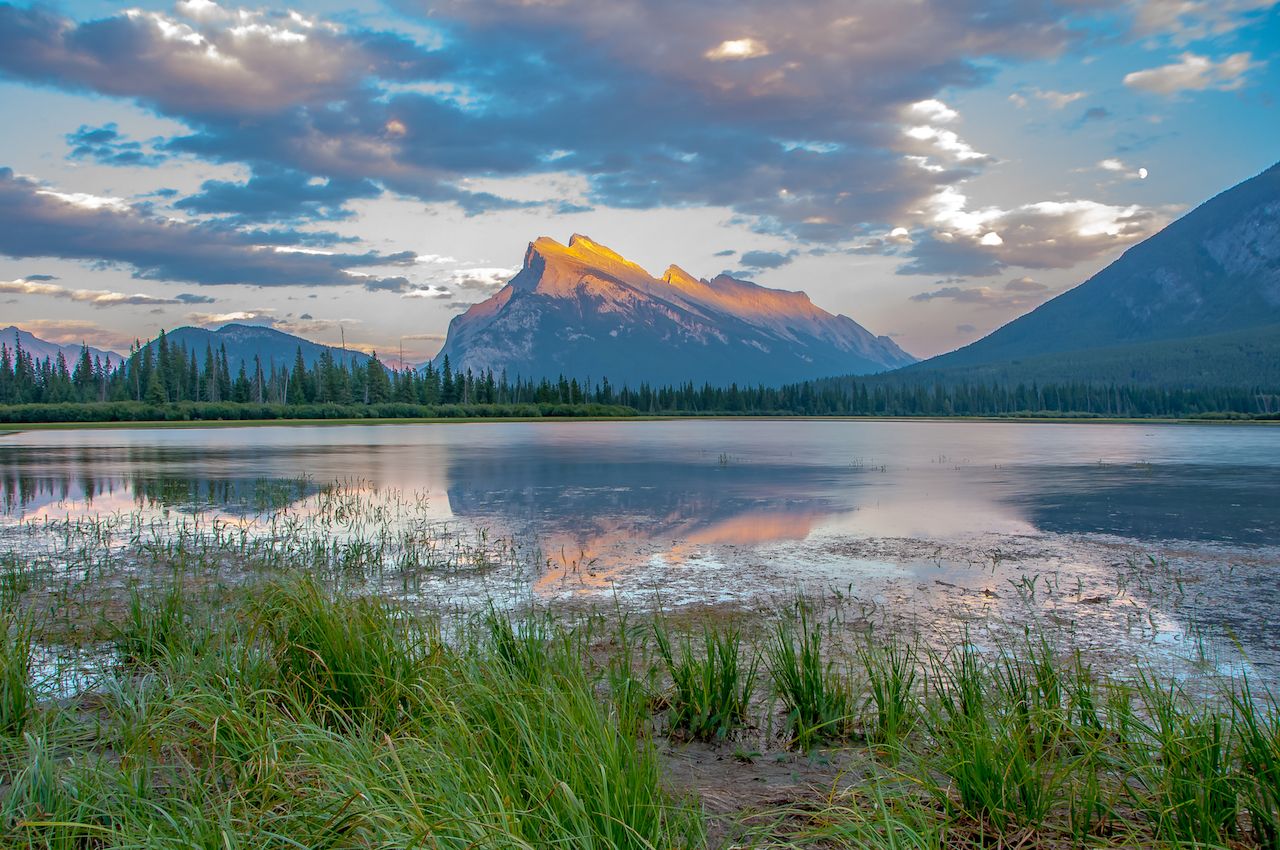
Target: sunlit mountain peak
column 583, row 309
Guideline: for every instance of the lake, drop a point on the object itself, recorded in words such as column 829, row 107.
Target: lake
column 1164, row 536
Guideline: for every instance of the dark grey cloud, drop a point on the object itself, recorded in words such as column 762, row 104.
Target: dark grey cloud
column 1095, row 113
column 105, row 145
column 727, row 252
column 206, row 61
column 937, row 256
column 273, row 194
column 192, row 298
column 39, row 222
column 1018, row 293
column 387, row 284
column 663, row 110
column 1025, row 284
column 766, row 259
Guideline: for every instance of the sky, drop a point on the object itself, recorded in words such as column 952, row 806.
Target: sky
column 930, row 168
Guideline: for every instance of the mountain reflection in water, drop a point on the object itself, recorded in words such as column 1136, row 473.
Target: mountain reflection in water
column 588, row 491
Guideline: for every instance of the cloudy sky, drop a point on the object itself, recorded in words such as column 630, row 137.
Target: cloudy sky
column 931, row 168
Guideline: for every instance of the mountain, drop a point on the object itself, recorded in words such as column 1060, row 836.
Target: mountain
column 584, row 311
column 1205, row 290
column 41, row 348
column 243, row 342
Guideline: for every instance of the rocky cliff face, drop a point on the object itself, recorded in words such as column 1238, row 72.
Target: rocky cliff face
column 584, row 311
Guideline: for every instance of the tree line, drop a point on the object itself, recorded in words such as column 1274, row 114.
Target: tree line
column 167, row 381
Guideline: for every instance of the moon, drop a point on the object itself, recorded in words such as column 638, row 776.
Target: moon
column 1142, row 174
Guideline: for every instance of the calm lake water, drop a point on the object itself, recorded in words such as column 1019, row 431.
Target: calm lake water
column 914, row 517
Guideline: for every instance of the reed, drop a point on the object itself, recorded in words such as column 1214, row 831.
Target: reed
column 16, row 699
column 816, row 693
column 711, row 686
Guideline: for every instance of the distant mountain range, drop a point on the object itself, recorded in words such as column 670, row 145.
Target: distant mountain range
column 1196, row 304
column 582, row 310
column 41, row 349
column 244, row 342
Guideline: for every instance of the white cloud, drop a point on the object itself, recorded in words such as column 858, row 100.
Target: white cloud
column 1055, row 99
column 933, row 111
column 94, row 297
column 927, row 141
column 262, row 316
column 86, row 201
column 1193, row 72
column 1185, row 21
column 945, row 141
column 1058, row 99
column 1120, row 167
column 737, row 48
column 1047, row 234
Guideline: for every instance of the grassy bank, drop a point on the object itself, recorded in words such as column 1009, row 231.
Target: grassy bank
column 297, row 711
column 271, row 676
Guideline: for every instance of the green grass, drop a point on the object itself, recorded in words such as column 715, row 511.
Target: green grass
column 816, row 693
column 349, row 662
column 157, row 622
column 15, row 672
column 890, row 668
column 317, row 718
column 1187, row 780
column 996, row 733
column 1257, row 727
column 711, row 686
column 269, row 692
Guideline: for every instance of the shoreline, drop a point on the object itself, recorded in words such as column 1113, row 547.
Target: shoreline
column 16, row 428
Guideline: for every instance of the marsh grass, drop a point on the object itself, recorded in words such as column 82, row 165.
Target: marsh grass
column 16, row 698
column 877, row 816
column 997, row 726
column 711, row 685
column 1187, row 781
column 816, row 693
column 890, row 668
column 631, row 676
column 318, row 718
column 348, row 660
column 1257, row 725
column 272, row 694
column 157, row 621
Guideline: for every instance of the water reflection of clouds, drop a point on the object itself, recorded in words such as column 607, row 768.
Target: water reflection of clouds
column 594, row 559
column 696, row 483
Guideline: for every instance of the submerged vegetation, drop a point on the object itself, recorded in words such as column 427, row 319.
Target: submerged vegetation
column 287, row 682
